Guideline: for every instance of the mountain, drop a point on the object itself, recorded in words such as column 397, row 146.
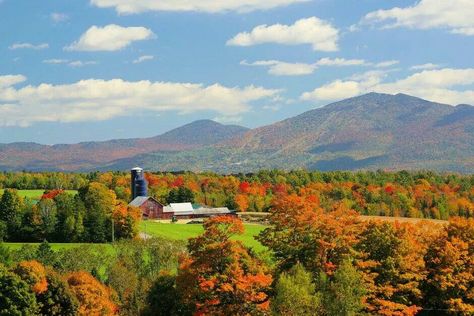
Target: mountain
column 367, row 132
column 91, row 155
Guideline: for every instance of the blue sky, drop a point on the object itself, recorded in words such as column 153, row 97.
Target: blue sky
column 84, row 70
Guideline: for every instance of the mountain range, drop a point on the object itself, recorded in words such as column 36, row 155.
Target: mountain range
column 372, row 131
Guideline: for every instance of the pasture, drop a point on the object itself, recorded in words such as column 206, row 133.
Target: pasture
column 184, row 231
column 35, row 195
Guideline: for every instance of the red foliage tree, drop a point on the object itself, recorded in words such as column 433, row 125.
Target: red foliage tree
column 219, row 276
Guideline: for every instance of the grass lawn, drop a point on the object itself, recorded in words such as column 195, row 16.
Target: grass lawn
column 185, row 231
column 35, row 194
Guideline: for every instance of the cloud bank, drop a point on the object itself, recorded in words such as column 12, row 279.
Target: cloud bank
column 95, row 100
column 447, row 85
column 454, row 15
column 208, row 6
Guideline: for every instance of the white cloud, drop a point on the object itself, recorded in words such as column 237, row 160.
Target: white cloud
column 80, row 63
column 340, row 62
column 385, row 64
column 95, row 100
column 143, row 58
column 280, row 68
column 28, row 46
column 109, row 38
column 11, row 80
column 451, row 86
column 59, row 17
column 455, row 15
column 321, row 35
column 209, row 6
column 55, row 61
column 426, row 66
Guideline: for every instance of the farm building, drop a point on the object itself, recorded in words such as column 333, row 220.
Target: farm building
column 152, row 209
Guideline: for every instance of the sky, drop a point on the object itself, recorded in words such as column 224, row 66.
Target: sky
column 83, row 70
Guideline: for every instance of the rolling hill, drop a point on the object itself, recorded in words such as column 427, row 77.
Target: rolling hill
column 367, row 132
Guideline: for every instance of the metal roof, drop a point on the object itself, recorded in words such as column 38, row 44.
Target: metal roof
column 138, row 201
column 182, row 207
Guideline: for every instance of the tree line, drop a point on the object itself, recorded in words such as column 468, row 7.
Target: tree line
column 420, row 194
column 93, row 215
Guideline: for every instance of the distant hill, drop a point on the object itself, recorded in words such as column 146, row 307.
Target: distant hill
column 367, row 132
column 91, row 155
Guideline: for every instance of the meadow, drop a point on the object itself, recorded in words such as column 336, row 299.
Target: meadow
column 168, row 231
column 35, row 195
column 184, row 231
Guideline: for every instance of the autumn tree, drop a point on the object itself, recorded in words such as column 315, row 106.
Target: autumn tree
column 295, row 294
column 126, row 219
column 392, row 266
column 300, row 232
column 450, row 265
column 94, row 297
column 58, row 299
column 220, row 276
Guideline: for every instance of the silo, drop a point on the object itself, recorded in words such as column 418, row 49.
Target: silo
column 138, row 183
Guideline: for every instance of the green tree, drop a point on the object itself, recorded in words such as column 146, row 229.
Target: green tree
column 11, row 206
column 16, row 297
column 180, row 195
column 99, row 203
column 164, row 299
column 295, row 294
column 342, row 296
column 48, row 218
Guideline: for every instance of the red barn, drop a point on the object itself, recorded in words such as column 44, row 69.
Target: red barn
column 150, row 207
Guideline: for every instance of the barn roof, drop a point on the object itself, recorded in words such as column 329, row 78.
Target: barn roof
column 182, row 207
column 138, row 201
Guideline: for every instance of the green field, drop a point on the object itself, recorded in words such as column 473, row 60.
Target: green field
column 35, row 194
column 169, row 231
column 185, row 231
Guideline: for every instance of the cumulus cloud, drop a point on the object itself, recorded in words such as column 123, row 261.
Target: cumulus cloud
column 95, row 100
column 454, row 15
column 111, row 37
column 320, row 34
column 143, row 58
column 59, row 17
column 280, row 68
column 209, row 6
column 447, row 85
column 28, row 46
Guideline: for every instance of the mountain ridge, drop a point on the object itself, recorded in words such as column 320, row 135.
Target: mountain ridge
column 365, row 132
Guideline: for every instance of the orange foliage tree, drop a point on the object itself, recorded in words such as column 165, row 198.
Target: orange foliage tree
column 34, row 274
column 450, row 266
column 220, row 276
column 94, row 297
column 126, row 220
